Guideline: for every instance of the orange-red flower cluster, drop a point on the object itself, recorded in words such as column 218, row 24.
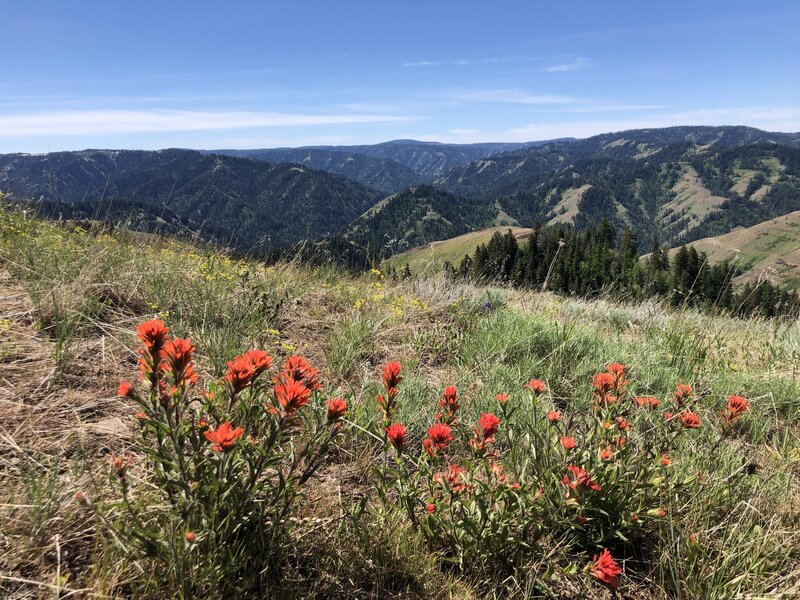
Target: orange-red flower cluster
column 568, row 443
column 554, row 416
column 608, row 386
column 646, row 401
column 396, row 434
column 448, row 405
column 578, row 478
column 605, row 568
column 153, row 335
column 735, row 408
column 683, row 392
column 121, row 463
column 177, row 355
column 502, row 398
column 224, row 437
column 390, row 374
column 337, row 407
column 689, row 419
column 439, row 436
column 607, row 453
column 537, row 386
column 299, row 369
column 243, row 370
column 623, row 424
column 291, row 395
column 617, row 370
column 453, row 478
column 488, row 426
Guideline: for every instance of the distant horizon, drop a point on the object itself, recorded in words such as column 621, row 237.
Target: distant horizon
column 391, row 141
column 267, row 75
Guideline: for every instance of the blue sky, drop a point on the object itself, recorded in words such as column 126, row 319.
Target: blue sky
column 263, row 74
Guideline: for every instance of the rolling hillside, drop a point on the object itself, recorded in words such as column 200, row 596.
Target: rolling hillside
column 770, row 249
column 431, row 257
column 677, row 184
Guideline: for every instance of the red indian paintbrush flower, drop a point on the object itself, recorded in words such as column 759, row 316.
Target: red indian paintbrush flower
column 735, row 408
column 291, row 395
column 647, row 401
column 617, row 371
column 489, row 424
column 537, row 386
column 568, row 443
column 448, row 404
column 502, row 398
column 240, row 373
column 554, row 416
column 190, row 537
column 244, row 369
column 153, row 334
column 177, row 353
column 452, row 478
column 391, row 376
column 623, row 424
column 224, row 437
column 606, row 453
column 440, row 435
column 260, row 360
column 689, row 419
column 665, row 460
column 336, row 409
column 682, row 394
column 299, row 369
column 579, row 478
column 603, row 386
column 396, row 434
column 605, row 568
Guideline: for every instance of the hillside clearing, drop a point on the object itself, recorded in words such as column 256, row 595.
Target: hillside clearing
column 770, row 249
column 430, row 258
column 71, row 300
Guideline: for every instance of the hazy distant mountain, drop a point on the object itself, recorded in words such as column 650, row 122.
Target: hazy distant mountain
column 426, row 160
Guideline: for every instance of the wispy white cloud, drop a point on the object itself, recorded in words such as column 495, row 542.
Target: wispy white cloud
column 103, row 122
column 575, row 65
column 510, row 95
column 591, row 108
column 421, row 63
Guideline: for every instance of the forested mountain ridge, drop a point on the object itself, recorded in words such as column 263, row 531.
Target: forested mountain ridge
column 427, row 159
column 705, row 181
column 675, row 184
column 245, row 204
column 381, row 174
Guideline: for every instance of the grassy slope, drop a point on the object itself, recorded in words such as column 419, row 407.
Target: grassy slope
column 771, row 248
column 431, row 257
column 70, row 301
